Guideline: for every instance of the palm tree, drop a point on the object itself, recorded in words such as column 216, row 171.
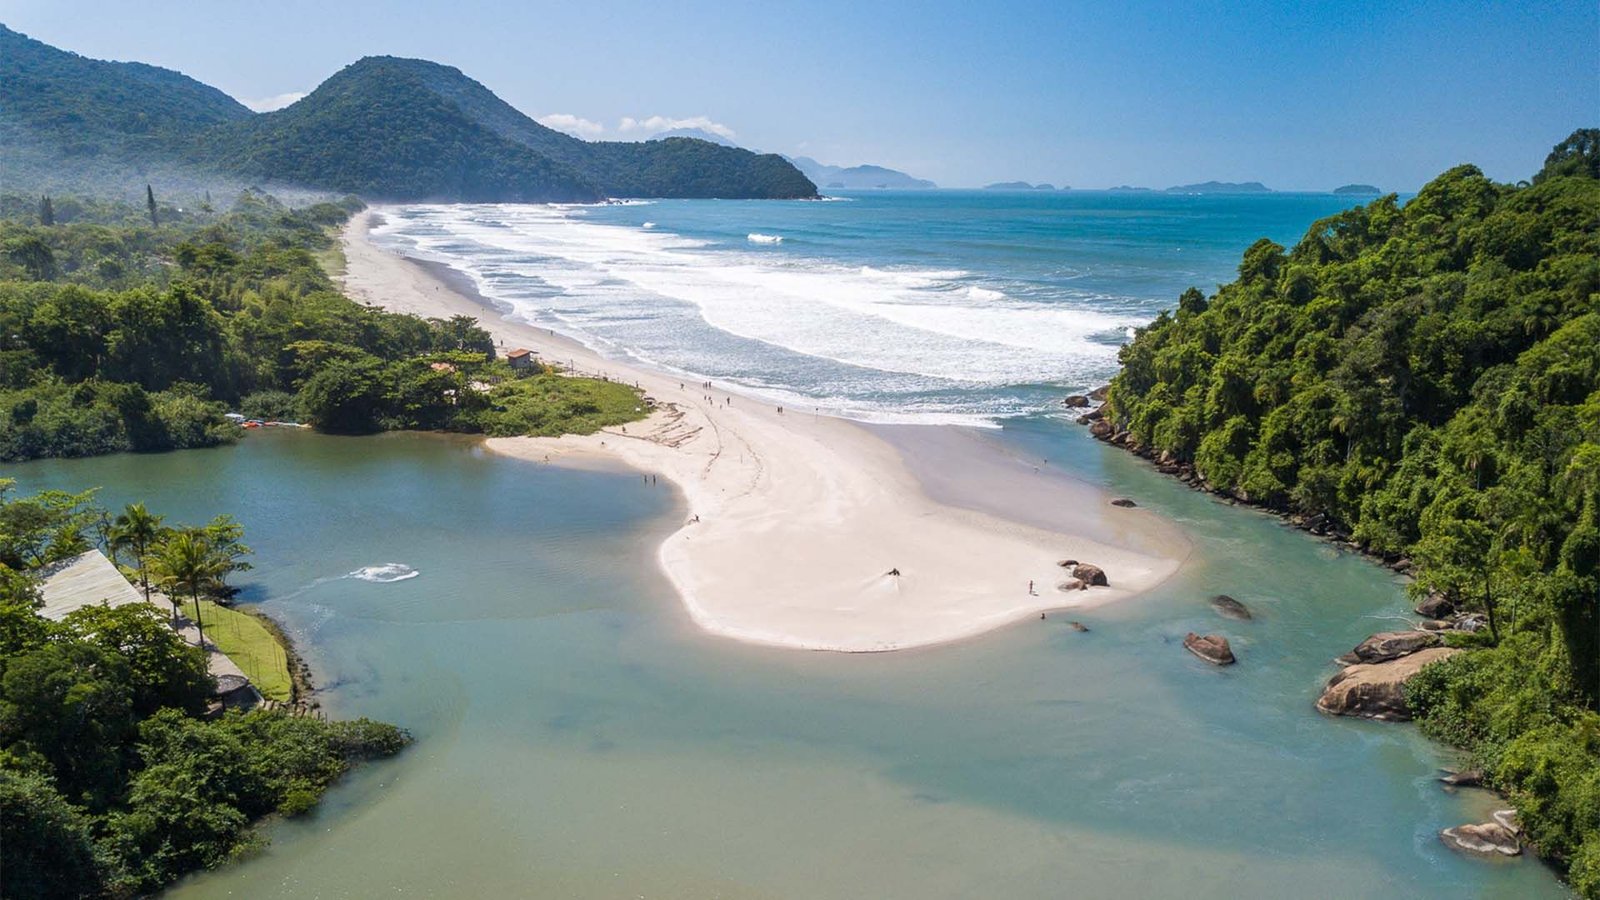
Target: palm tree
column 186, row 561
column 137, row 530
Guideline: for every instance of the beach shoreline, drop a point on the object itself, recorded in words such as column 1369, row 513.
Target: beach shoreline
column 808, row 531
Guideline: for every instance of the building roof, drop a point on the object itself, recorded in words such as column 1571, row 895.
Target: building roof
column 84, row 580
column 520, row 351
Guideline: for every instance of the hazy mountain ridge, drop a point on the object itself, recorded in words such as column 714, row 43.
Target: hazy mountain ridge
column 863, row 177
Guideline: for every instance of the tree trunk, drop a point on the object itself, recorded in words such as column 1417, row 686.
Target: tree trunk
column 201, row 628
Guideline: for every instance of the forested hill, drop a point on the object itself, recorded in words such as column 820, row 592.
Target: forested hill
column 90, row 106
column 386, row 128
column 668, row 167
column 1426, row 377
column 377, row 130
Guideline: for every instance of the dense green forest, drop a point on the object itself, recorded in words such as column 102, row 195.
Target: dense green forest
column 1425, row 378
column 114, row 781
column 140, row 336
column 384, row 128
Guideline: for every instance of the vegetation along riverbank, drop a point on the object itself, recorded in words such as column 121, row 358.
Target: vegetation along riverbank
column 120, row 770
column 1424, row 381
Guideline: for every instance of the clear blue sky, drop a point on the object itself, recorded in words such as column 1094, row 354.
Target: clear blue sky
column 1296, row 95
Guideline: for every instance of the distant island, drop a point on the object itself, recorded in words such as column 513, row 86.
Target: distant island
column 384, row 128
column 1129, row 189
column 1362, row 189
column 1221, row 187
column 1021, row 186
column 865, row 177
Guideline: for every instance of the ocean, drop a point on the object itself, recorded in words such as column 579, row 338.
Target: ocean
column 903, row 306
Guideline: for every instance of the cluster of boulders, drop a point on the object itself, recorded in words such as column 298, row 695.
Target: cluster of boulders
column 1084, row 576
column 1372, row 683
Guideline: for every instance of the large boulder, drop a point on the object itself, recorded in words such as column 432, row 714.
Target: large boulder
column 1123, row 502
column 1229, row 608
column 1387, row 645
column 1435, row 606
column 1099, row 394
column 1102, row 429
column 1487, row 839
column 1075, row 401
column 1091, row 575
column 1377, row 690
column 1213, row 648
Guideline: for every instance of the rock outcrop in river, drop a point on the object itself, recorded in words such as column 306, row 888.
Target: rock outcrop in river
column 1377, row 690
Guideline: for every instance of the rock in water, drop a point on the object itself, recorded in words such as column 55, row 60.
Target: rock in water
column 1099, row 394
column 1468, row 778
column 1078, row 626
column 1213, row 648
column 1387, row 645
column 1229, row 608
column 1376, row 690
column 1075, row 401
column 1487, row 839
column 1092, row 575
column 1124, row 502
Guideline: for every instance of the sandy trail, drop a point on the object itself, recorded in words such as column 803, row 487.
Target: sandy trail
column 795, row 520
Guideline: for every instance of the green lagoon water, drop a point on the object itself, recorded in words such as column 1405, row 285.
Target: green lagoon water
column 577, row 738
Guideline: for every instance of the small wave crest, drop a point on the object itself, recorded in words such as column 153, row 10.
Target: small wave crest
column 648, row 225
column 756, row 237
column 384, row 574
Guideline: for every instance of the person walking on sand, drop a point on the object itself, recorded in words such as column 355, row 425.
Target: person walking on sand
column 1030, row 586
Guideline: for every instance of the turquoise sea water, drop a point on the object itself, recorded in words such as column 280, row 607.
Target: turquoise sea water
column 893, row 306
column 579, row 738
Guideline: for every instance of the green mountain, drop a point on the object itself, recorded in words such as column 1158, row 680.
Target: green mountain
column 1425, row 379
column 383, row 127
column 1366, row 189
column 377, row 129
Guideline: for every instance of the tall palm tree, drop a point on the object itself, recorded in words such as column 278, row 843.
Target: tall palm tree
column 186, row 561
column 137, row 530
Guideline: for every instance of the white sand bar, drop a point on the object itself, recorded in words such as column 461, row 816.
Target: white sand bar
column 801, row 517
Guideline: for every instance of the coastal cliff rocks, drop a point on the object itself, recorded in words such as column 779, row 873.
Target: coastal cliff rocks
column 1213, row 648
column 1075, row 401
column 1098, row 395
column 1388, row 645
column 1229, row 608
column 1090, row 575
column 1486, row 839
column 1102, row 429
column 1377, row 690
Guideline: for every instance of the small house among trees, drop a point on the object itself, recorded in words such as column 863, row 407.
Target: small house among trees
column 522, row 360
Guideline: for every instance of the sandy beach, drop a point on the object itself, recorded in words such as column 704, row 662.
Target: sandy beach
column 795, row 521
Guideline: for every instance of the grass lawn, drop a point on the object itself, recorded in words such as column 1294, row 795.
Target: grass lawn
column 251, row 646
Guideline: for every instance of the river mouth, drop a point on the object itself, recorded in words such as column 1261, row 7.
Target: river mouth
column 578, row 737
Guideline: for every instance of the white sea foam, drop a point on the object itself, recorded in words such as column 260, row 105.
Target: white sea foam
column 756, row 237
column 384, row 574
column 882, row 340
column 648, row 225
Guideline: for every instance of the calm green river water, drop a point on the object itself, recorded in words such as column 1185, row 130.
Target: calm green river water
column 577, row 738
